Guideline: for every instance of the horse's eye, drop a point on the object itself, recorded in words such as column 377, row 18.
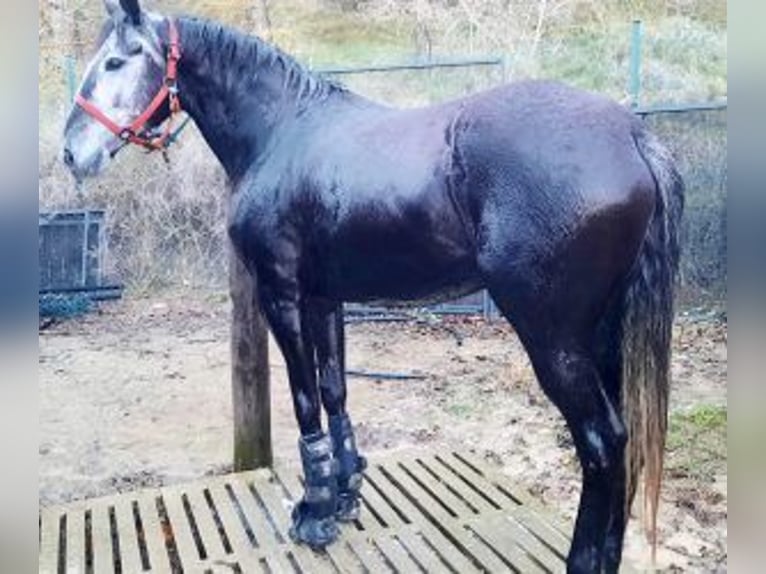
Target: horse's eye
column 135, row 49
column 113, row 64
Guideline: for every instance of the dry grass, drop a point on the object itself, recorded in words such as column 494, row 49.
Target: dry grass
column 165, row 222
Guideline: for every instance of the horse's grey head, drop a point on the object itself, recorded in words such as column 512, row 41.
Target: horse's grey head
column 120, row 80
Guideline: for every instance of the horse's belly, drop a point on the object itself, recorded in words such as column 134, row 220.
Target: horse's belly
column 400, row 238
column 395, row 289
column 398, row 269
column 397, row 285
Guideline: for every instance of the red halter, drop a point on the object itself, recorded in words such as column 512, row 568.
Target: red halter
column 135, row 133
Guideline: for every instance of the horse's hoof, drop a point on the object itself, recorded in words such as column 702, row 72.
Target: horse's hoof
column 315, row 532
column 348, row 508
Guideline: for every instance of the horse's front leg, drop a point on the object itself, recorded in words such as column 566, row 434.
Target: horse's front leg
column 328, row 335
column 313, row 518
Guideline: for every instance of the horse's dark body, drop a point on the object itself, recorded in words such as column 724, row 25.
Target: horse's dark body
column 556, row 200
column 422, row 204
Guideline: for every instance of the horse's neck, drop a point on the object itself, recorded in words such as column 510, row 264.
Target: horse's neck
column 238, row 90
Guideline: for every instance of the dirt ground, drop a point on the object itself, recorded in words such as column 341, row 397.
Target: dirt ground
column 138, row 394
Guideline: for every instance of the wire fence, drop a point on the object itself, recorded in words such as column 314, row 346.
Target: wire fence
column 698, row 140
column 169, row 230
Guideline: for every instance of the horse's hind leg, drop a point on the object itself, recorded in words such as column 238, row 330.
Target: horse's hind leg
column 569, row 377
column 555, row 307
column 565, row 366
column 328, row 333
column 608, row 350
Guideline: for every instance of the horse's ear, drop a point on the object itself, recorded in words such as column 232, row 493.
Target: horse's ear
column 113, row 8
column 132, row 10
column 119, row 9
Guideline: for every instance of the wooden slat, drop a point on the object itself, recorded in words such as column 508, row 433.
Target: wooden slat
column 455, row 528
column 274, row 504
column 395, row 554
column 274, row 564
column 447, row 551
column 447, row 525
column 365, row 550
column 235, row 531
column 424, row 500
column 206, row 526
column 529, row 515
column 497, row 536
column 388, row 496
column 457, row 485
column 372, row 527
column 182, row 531
column 269, row 545
column 531, row 543
column 264, row 536
column 154, row 537
column 532, row 521
column 129, row 553
column 435, row 537
column 103, row 556
column 366, row 557
column 438, row 489
column 477, row 550
column 422, row 553
column 496, row 479
column 373, row 499
column 472, row 480
column 75, row 542
column 49, row 541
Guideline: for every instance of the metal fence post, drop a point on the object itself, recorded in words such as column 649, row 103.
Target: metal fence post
column 504, row 68
column 486, row 305
column 71, row 76
column 635, row 62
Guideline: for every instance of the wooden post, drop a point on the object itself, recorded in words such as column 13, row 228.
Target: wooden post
column 249, row 371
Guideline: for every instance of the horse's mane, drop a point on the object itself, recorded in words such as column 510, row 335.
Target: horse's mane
column 243, row 51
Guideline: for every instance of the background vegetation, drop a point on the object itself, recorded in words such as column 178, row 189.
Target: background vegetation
column 166, row 219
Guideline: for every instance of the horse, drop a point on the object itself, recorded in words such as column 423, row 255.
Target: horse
column 557, row 201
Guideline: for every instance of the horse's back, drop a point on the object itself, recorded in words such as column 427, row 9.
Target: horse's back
column 549, row 134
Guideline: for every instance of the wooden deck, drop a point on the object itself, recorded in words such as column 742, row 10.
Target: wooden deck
column 434, row 512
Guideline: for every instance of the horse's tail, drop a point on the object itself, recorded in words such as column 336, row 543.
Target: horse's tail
column 647, row 321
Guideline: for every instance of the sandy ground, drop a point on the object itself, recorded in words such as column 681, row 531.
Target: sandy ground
column 138, row 394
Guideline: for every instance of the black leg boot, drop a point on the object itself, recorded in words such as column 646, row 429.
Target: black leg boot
column 314, row 516
column 350, row 467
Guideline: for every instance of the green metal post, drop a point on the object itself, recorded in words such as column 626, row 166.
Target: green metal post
column 635, row 62
column 71, row 76
column 504, row 68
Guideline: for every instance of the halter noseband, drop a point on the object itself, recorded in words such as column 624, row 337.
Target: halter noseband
column 135, row 133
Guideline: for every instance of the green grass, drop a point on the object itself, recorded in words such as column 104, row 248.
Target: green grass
column 323, row 37
column 684, row 59
column 461, row 410
column 696, row 443
column 707, row 418
column 593, row 59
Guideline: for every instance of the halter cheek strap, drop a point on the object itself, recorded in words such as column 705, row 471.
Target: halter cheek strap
column 135, row 133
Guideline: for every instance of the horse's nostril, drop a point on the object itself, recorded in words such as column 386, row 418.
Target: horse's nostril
column 68, row 157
